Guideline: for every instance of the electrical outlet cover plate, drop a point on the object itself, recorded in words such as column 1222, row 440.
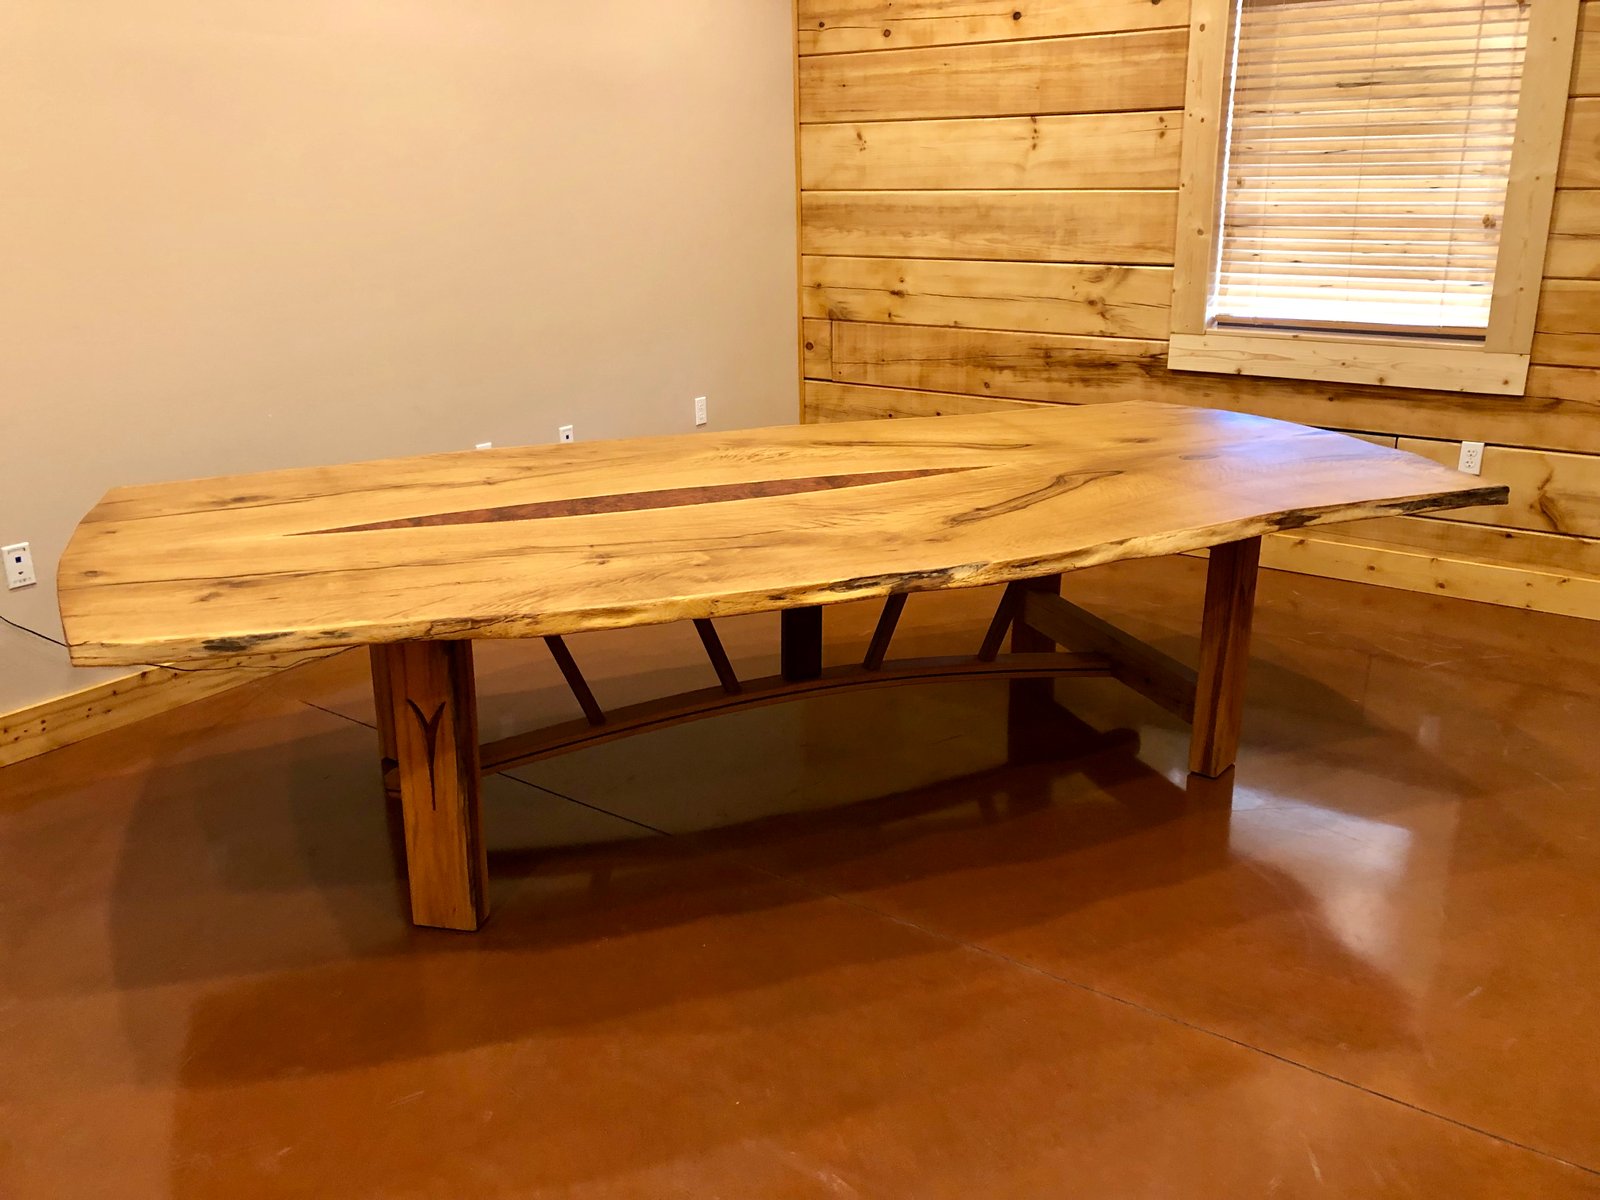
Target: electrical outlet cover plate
column 700, row 417
column 564, row 434
column 19, row 565
column 1471, row 460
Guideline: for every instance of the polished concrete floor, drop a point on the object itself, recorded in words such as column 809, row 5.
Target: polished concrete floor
column 842, row 948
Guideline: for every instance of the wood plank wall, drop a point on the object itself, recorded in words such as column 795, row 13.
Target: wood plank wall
column 987, row 209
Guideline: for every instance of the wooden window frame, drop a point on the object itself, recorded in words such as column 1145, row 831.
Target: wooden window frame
column 1496, row 365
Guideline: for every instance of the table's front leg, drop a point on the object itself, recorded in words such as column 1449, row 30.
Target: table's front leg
column 433, row 712
column 1224, row 655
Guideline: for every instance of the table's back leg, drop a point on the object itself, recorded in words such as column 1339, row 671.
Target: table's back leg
column 1224, row 655
column 800, row 642
column 1028, row 701
column 432, row 711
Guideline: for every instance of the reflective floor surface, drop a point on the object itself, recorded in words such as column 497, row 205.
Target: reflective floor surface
column 842, row 948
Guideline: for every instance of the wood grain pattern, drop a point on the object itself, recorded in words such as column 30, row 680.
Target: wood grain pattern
column 1556, row 493
column 684, row 497
column 1019, row 226
column 1224, row 656
column 1561, row 411
column 1535, row 161
column 1024, row 366
column 816, row 358
column 1122, row 72
column 433, row 709
column 840, row 26
column 1561, row 554
column 1580, row 146
column 1200, row 176
column 1088, row 151
column 1335, row 555
column 1586, row 57
column 1346, row 360
column 939, row 335
column 1574, row 249
column 1568, row 306
column 835, row 402
column 1042, row 297
column 216, row 567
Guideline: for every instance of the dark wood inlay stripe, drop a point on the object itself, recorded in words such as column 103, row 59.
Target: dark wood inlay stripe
column 583, row 506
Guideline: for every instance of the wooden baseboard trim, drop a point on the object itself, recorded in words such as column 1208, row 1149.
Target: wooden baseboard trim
column 63, row 720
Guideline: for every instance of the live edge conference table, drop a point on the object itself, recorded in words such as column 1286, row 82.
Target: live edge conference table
column 419, row 557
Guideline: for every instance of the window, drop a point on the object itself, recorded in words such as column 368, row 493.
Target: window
column 1367, row 188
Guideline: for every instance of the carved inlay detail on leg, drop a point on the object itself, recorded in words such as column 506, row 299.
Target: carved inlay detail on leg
column 430, row 736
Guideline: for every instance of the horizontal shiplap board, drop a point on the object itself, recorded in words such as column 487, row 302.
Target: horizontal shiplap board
column 1334, row 555
column 1123, row 72
column 1569, row 306
column 1019, row 226
column 816, row 348
column 1567, row 349
column 1574, row 250
column 1560, row 553
column 1029, row 366
column 844, row 402
column 1044, row 297
column 1090, row 150
column 843, row 26
column 1033, row 365
column 1586, row 56
column 1580, row 145
column 1555, row 493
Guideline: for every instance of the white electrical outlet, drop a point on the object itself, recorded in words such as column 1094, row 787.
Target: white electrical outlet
column 484, row 446
column 1471, row 458
column 564, row 434
column 19, row 565
column 700, row 417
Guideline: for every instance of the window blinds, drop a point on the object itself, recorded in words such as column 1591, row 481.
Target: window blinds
column 1367, row 161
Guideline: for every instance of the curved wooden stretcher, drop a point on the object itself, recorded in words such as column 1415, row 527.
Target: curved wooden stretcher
column 418, row 557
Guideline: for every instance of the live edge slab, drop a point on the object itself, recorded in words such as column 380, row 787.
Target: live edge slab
column 419, row 557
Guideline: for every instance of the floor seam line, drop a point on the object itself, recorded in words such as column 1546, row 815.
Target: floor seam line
column 1034, row 969
column 1169, row 1017
column 538, row 787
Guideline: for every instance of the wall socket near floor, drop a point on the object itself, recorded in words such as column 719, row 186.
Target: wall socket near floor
column 700, row 417
column 564, row 434
column 19, row 565
column 484, row 446
column 1471, row 458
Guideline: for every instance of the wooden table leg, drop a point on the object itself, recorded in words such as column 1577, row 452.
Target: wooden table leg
column 433, row 712
column 383, row 706
column 1028, row 700
column 800, row 642
column 1224, row 655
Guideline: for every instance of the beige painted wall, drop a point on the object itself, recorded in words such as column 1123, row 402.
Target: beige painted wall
column 239, row 235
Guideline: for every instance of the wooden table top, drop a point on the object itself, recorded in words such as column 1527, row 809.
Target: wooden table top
column 557, row 539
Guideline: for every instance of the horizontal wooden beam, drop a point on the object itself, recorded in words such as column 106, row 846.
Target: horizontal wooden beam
column 529, row 747
column 1153, row 674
